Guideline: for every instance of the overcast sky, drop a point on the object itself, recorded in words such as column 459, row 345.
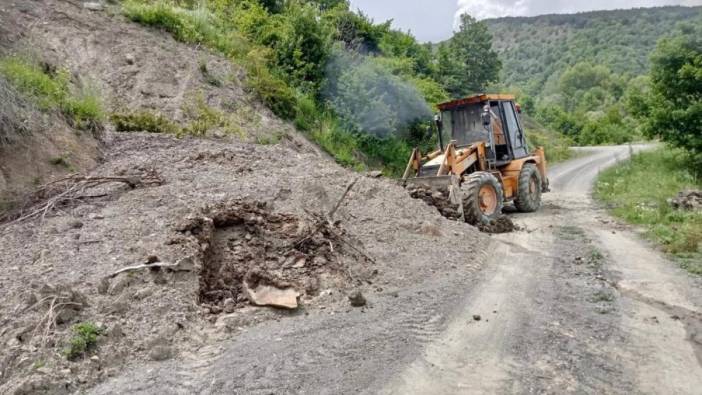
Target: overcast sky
column 432, row 20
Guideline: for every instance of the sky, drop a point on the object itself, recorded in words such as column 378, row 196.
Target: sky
column 433, row 20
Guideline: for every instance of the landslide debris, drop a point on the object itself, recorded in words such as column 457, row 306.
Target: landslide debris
column 253, row 255
column 439, row 199
column 690, row 200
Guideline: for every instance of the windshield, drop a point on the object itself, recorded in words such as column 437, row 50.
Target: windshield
column 465, row 125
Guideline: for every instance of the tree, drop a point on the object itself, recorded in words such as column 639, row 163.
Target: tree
column 673, row 110
column 467, row 63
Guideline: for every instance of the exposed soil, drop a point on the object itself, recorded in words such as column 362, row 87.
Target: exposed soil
column 440, row 199
column 245, row 240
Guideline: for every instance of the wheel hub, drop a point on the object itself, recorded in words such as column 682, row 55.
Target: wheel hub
column 487, row 199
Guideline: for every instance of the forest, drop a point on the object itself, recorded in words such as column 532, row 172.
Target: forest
column 578, row 74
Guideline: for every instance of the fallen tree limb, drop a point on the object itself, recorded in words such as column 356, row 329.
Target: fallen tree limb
column 144, row 266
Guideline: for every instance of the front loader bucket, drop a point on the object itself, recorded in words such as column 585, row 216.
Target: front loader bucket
column 434, row 182
column 445, row 190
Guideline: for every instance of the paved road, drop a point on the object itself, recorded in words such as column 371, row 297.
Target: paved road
column 575, row 303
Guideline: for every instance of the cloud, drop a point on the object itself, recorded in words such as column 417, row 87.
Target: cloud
column 482, row 9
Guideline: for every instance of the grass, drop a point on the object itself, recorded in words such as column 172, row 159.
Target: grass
column 62, row 161
column 84, row 339
column 637, row 191
column 52, row 90
column 201, row 119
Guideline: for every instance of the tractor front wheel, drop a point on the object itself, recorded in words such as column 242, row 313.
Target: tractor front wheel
column 482, row 198
column 529, row 189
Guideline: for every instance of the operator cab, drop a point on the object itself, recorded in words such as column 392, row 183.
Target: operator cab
column 493, row 119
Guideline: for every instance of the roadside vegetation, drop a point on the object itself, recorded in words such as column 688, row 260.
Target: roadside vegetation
column 638, row 192
column 363, row 91
column 669, row 108
column 52, row 89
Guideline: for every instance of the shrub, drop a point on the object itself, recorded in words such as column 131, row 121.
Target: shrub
column 84, row 339
column 143, row 121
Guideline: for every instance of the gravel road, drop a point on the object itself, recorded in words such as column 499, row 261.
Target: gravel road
column 575, row 303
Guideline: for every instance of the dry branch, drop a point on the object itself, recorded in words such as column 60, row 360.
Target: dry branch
column 71, row 189
column 144, row 266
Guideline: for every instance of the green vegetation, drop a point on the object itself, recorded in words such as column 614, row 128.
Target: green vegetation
column 202, row 118
column 556, row 145
column 62, row 161
column 577, row 73
column 670, row 105
column 143, row 121
column 637, row 191
column 84, row 339
column 362, row 91
column 52, row 90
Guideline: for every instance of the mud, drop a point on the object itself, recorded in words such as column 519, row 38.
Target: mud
column 438, row 198
column 502, row 224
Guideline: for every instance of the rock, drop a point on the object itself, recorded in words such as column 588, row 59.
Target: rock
column 263, row 289
column 269, row 295
column 229, row 306
column 129, row 58
column 93, row 6
column 357, row 299
column 161, row 353
column 143, row 293
column 374, row 174
column 476, row 317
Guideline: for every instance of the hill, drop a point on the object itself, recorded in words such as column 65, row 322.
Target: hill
column 534, row 49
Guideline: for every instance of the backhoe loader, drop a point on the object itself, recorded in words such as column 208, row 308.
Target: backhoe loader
column 483, row 159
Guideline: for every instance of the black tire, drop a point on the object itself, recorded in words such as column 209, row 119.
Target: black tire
column 529, row 189
column 474, row 209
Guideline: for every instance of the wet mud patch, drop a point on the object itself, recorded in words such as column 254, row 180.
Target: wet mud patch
column 244, row 243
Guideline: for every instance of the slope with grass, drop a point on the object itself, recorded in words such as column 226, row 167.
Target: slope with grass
column 637, row 191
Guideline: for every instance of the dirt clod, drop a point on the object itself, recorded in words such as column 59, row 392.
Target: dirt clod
column 438, row 199
column 501, row 225
column 357, row 299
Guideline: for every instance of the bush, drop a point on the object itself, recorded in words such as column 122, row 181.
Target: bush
column 84, row 339
column 143, row 121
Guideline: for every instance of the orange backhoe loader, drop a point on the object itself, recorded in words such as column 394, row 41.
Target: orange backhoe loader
column 483, row 158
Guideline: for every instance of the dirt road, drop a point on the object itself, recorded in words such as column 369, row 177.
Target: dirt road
column 575, row 303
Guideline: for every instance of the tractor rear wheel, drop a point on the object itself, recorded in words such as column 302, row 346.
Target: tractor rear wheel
column 483, row 198
column 529, row 189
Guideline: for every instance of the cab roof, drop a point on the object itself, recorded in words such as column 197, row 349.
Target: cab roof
column 473, row 100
